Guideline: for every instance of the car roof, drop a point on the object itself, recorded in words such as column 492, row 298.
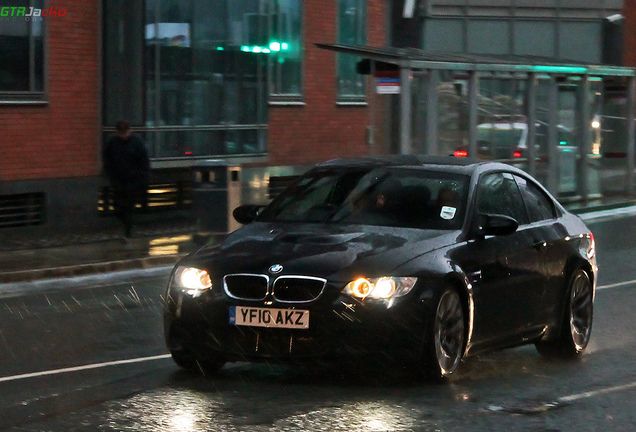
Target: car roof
column 460, row 165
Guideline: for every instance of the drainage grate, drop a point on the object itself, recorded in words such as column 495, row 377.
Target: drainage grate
column 22, row 210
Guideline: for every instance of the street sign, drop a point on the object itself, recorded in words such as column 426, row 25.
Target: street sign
column 388, row 86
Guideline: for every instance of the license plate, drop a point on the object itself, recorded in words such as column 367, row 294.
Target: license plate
column 269, row 317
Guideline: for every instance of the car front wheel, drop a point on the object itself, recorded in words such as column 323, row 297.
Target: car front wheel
column 576, row 326
column 444, row 345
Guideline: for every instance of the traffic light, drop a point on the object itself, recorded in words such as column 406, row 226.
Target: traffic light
column 272, row 47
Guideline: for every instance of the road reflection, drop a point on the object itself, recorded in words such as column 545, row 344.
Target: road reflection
column 261, row 397
column 178, row 411
column 277, row 398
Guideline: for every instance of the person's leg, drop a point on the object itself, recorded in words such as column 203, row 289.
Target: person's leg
column 119, row 202
column 127, row 213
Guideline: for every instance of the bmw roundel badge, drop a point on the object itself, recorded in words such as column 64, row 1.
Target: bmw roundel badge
column 276, row 268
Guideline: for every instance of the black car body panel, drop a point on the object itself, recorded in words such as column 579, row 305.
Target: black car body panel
column 290, row 262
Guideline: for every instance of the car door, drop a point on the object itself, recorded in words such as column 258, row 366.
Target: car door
column 509, row 287
column 548, row 236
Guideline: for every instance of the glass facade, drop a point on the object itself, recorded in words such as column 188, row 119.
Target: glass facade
column 579, row 134
column 188, row 74
column 572, row 39
column 352, row 30
column 580, row 143
column 21, row 51
column 284, row 49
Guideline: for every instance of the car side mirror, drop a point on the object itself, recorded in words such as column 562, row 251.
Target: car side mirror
column 246, row 214
column 497, row 224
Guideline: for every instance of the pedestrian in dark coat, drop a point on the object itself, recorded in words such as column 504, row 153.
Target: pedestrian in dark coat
column 126, row 164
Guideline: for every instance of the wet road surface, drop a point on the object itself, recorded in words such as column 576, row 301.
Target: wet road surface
column 89, row 355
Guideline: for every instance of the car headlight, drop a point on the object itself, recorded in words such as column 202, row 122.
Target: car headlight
column 192, row 279
column 380, row 288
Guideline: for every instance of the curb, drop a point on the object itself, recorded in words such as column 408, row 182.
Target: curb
column 89, row 269
column 608, row 213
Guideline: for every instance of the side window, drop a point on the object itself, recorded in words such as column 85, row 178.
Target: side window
column 498, row 193
column 538, row 204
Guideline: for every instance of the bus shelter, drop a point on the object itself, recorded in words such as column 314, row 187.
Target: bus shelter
column 570, row 125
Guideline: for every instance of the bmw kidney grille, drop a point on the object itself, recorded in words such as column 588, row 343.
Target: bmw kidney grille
column 285, row 289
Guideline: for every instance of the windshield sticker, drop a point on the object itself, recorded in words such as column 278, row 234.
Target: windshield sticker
column 448, row 212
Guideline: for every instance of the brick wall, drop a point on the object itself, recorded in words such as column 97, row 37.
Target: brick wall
column 59, row 139
column 320, row 129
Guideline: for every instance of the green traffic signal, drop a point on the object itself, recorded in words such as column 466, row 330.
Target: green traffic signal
column 273, row 47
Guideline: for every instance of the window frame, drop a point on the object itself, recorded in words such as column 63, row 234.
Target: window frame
column 532, row 188
column 275, row 93
column 32, row 96
column 479, row 193
column 361, row 39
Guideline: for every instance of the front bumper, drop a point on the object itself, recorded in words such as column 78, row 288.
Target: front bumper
column 338, row 327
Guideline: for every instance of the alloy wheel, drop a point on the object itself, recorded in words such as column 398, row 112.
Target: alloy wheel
column 581, row 310
column 449, row 332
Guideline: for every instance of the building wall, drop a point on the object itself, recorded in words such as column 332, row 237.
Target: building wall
column 629, row 33
column 51, row 149
column 59, row 139
column 564, row 29
column 320, row 129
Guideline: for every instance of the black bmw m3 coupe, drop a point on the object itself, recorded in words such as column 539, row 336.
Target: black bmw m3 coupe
column 422, row 261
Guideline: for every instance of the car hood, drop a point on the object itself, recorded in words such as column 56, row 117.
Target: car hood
column 321, row 250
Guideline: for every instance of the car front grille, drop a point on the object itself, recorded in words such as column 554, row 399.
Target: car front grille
column 298, row 289
column 246, row 286
column 285, row 289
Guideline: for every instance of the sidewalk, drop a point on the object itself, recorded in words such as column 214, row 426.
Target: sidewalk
column 154, row 245
column 55, row 256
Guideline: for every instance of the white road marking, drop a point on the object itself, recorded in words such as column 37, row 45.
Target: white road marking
column 82, row 368
column 617, row 212
column 594, row 393
column 557, row 403
column 616, row 285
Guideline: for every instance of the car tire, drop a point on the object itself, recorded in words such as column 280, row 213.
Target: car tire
column 188, row 361
column 445, row 340
column 576, row 324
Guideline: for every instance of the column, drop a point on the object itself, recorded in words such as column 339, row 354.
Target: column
column 405, row 111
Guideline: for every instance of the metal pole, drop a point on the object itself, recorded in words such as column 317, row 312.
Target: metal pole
column 631, row 88
column 584, row 144
column 405, row 111
column 432, row 146
column 553, row 154
column 372, row 101
column 472, row 114
column 531, row 118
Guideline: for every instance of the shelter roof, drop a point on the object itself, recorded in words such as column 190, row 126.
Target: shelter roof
column 418, row 59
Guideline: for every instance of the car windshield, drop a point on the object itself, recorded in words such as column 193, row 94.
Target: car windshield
column 387, row 196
